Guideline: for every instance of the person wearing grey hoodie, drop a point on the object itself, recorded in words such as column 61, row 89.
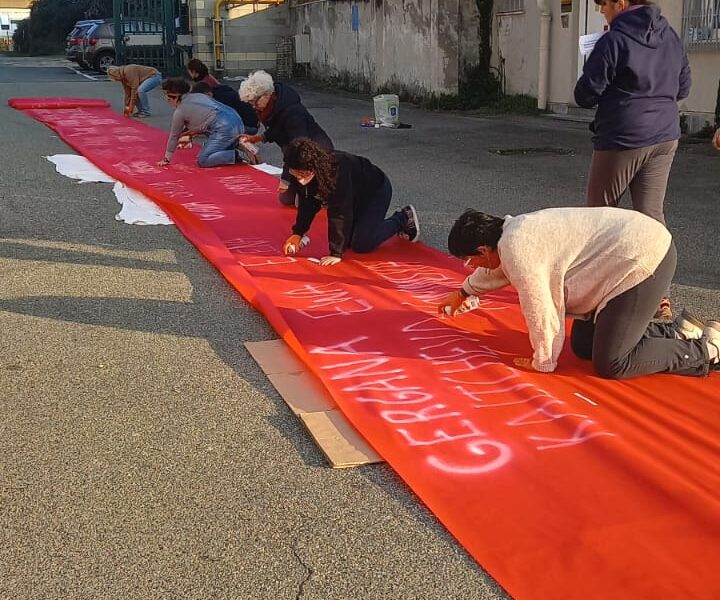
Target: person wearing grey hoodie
column 635, row 76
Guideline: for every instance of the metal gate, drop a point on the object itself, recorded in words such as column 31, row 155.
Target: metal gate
column 152, row 33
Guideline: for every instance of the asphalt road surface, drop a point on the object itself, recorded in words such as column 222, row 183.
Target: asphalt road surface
column 143, row 454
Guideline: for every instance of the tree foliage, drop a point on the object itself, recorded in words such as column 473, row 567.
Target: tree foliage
column 51, row 20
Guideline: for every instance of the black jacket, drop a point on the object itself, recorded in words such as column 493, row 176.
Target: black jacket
column 357, row 181
column 290, row 120
column 229, row 97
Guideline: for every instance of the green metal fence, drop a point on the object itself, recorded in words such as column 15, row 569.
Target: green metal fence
column 151, row 32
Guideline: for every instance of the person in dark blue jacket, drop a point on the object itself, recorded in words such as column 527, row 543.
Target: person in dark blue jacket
column 635, row 76
column 285, row 119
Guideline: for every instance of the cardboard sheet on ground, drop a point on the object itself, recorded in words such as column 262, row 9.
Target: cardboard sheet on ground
column 560, row 486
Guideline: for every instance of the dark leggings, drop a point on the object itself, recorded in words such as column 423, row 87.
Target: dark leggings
column 623, row 343
column 370, row 227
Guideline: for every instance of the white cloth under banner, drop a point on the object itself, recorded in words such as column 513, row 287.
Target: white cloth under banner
column 137, row 208
column 79, row 167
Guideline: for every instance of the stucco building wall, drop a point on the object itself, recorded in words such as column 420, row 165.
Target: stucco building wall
column 417, row 46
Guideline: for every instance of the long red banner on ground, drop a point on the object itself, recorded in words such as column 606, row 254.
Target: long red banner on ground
column 560, row 486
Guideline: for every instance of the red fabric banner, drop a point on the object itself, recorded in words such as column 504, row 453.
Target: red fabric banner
column 560, row 485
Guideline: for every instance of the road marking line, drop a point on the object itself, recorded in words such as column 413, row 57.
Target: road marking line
column 74, row 70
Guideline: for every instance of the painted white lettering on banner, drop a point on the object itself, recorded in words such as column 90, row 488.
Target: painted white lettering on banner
column 242, row 185
column 257, row 252
column 343, row 347
column 501, row 452
column 579, row 436
column 543, row 414
column 138, row 167
column 391, row 388
column 174, row 188
column 418, row 416
column 329, row 295
column 465, row 429
column 204, row 211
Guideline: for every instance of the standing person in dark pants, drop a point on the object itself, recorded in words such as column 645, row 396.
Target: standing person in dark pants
column 606, row 267
column 356, row 195
column 285, row 119
column 635, row 76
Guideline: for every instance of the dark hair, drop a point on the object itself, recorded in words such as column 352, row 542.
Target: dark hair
column 195, row 64
column 306, row 155
column 176, row 85
column 473, row 229
column 201, row 88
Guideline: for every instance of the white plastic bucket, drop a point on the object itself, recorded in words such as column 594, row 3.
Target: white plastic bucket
column 387, row 110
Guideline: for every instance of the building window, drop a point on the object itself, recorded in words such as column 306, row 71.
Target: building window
column 511, row 7
column 701, row 23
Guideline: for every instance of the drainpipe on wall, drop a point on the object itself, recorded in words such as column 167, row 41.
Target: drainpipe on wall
column 544, row 53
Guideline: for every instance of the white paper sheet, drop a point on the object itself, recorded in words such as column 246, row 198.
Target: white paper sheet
column 269, row 169
column 587, row 42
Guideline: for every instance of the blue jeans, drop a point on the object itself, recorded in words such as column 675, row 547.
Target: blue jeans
column 221, row 141
column 143, row 102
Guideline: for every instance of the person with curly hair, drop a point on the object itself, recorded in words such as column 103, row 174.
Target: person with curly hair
column 199, row 114
column 356, row 195
column 285, row 119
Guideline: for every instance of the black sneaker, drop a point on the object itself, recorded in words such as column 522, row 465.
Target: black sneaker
column 411, row 231
column 241, row 157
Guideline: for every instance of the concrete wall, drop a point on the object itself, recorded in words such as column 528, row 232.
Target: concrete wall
column 516, row 39
column 515, row 52
column 705, row 65
column 250, row 40
column 411, row 46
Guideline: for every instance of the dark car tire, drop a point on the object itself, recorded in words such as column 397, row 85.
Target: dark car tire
column 104, row 60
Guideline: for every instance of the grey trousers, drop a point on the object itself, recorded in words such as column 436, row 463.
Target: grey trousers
column 623, row 343
column 644, row 171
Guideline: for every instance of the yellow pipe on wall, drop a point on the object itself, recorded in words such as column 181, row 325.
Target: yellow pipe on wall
column 218, row 42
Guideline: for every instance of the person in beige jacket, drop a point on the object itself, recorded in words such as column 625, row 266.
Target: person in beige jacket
column 137, row 81
column 606, row 268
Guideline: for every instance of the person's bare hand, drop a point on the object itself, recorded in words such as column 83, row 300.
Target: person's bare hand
column 163, row 163
column 716, row 140
column 252, row 139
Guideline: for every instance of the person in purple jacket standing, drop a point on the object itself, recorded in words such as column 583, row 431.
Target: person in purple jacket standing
column 635, row 76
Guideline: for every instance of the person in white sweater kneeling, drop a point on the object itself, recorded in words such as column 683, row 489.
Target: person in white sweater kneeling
column 607, row 268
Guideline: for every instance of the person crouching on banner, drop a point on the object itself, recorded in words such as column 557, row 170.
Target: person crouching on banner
column 199, row 114
column 137, row 81
column 285, row 118
column 605, row 267
column 356, row 195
